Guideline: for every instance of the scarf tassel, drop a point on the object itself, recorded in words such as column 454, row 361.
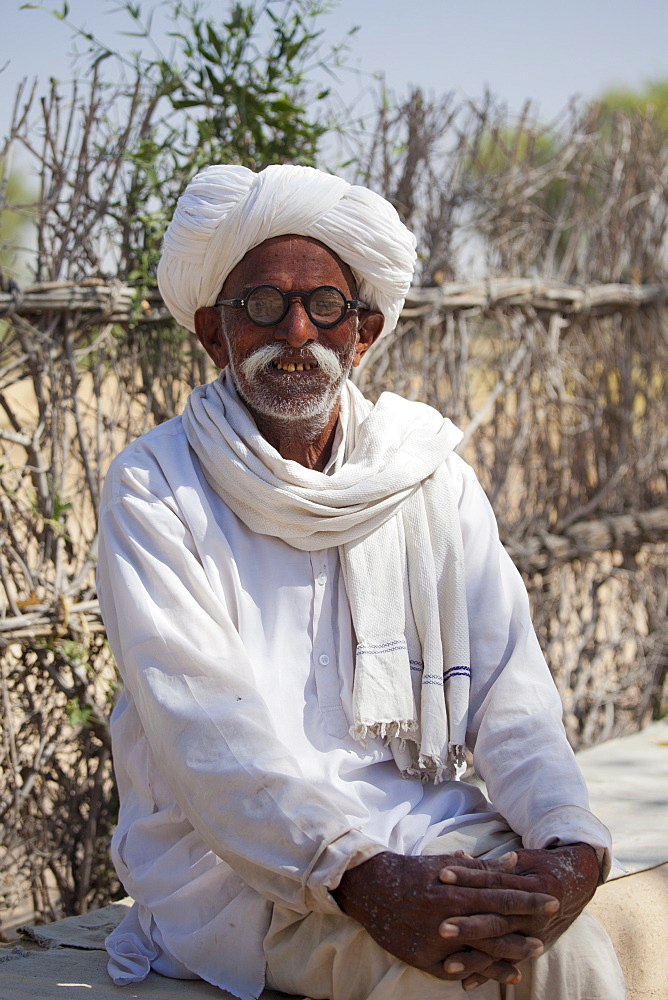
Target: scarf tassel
column 404, row 729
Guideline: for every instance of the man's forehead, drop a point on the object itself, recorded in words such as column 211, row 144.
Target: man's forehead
column 286, row 241
column 292, row 256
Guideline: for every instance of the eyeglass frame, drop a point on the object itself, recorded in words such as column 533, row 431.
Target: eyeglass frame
column 242, row 303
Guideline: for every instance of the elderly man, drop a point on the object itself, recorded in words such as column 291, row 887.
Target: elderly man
column 313, row 616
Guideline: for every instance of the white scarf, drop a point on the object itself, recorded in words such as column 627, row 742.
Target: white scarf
column 391, row 510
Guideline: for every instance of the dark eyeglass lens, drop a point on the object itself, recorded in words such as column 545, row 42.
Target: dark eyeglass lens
column 327, row 305
column 265, row 305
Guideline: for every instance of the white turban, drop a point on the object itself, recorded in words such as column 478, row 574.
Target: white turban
column 227, row 210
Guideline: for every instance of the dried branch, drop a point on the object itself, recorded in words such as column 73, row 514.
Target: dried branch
column 554, row 362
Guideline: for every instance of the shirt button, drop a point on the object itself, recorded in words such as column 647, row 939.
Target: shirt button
column 323, row 659
column 321, row 579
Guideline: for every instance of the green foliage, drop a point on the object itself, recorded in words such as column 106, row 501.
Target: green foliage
column 500, row 148
column 525, row 149
column 56, row 518
column 72, row 650
column 16, row 209
column 77, row 713
column 238, row 90
column 649, row 102
column 255, row 101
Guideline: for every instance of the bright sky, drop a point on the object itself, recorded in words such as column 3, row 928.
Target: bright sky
column 520, row 49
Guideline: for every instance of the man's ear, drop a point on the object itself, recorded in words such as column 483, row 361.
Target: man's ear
column 369, row 330
column 209, row 330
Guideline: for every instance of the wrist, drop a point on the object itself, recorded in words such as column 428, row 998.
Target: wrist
column 590, row 860
column 357, row 879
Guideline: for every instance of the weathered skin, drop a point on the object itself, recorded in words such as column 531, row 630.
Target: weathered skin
column 291, row 263
column 461, row 918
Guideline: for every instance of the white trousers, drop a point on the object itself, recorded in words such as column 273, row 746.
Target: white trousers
column 331, row 956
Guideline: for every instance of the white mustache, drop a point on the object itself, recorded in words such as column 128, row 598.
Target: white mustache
column 256, row 362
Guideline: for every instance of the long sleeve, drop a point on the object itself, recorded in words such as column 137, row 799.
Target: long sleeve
column 515, row 718
column 191, row 681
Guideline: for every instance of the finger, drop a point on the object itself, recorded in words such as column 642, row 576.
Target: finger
column 474, row 878
column 506, row 863
column 508, row 948
column 465, row 963
column 491, row 972
column 462, row 901
column 472, row 982
column 486, row 926
column 469, row 962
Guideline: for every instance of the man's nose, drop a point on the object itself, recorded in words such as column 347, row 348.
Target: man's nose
column 296, row 329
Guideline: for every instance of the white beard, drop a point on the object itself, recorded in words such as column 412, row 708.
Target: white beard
column 312, row 410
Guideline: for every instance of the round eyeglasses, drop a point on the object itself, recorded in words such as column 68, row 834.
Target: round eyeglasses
column 266, row 305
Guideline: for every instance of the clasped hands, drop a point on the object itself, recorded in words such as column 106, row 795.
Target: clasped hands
column 461, row 918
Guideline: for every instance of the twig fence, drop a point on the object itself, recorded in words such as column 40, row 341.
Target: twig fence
column 96, row 301
column 561, row 391
column 116, row 303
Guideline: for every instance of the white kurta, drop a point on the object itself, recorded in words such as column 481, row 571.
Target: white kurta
column 238, row 780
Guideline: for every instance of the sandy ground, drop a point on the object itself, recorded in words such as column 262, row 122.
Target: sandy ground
column 628, row 789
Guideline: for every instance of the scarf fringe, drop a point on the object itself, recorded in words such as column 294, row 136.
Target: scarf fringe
column 404, row 729
column 432, row 768
column 429, row 767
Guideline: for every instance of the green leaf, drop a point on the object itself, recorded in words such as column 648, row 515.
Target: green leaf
column 77, row 713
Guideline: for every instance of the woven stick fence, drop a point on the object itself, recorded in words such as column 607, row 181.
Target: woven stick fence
column 472, row 350
column 558, row 381
column 116, row 302
column 95, row 301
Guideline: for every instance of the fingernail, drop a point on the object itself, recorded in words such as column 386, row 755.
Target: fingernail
column 510, row 857
column 446, row 875
column 552, row 906
column 537, row 951
column 514, row 979
column 473, row 986
column 454, row 967
column 448, row 930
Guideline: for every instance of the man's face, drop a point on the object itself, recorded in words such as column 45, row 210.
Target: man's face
column 293, row 370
